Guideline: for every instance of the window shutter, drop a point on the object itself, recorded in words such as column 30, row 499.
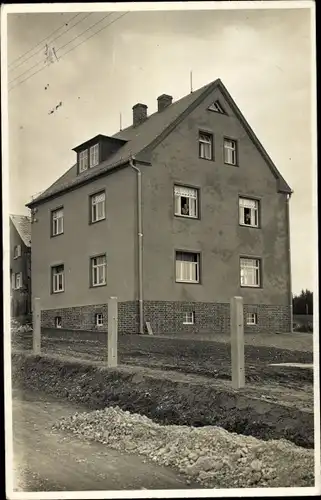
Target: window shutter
column 19, row 250
column 13, row 281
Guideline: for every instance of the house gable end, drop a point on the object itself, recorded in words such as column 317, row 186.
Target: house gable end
column 227, row 103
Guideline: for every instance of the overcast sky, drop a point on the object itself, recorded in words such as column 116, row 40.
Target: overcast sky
column 262, row 56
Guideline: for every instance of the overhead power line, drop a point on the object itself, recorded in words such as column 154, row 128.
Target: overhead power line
column 37, row 45
column 41, row 48
column 73, row 48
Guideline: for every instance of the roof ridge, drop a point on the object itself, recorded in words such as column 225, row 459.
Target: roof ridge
column 142, row 139
column 173, row 104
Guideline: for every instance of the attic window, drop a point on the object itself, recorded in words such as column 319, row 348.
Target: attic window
column 83, row 160
column 94, row 155
column 215, row 106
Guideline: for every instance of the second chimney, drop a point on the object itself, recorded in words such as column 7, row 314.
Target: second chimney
column 139, row 114
column 164, row 100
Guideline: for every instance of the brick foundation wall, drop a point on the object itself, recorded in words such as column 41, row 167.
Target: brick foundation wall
column 167, row 317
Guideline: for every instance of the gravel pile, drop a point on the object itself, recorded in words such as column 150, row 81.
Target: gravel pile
column 212, row 456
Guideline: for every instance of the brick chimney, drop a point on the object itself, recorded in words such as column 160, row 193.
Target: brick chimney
column 139, row 114
column 164, row 100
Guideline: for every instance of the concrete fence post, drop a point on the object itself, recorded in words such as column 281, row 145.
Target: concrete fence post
column 36, row 320
column 237, row 343
column 112, row 337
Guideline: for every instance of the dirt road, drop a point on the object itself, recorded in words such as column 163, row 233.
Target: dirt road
column 53, row 461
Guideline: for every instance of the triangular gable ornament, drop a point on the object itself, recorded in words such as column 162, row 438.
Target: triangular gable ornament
column 215, row 106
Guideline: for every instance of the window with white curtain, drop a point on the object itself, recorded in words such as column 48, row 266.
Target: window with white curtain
column 187, row 267
column 94, row 155
column 186, row 201
column 230, row 152
column 58, row 279
column 250, row 272
column 249, row 212
column 98, row 270
column 98, row 206
column 57, row 221
column 83, row 160
column 205, row 146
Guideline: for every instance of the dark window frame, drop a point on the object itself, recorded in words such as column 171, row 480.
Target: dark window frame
column 211, row 136
column 252, row 257
column 52, row 267
column 199, row 254
column 259, row 216
column 236, row 164
column 198, row 189
column 52, row 210
column 95, row 256
column 90, row 197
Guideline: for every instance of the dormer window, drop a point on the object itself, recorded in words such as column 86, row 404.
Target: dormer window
column 83, row 160
column 94, row 155
column 96, row 150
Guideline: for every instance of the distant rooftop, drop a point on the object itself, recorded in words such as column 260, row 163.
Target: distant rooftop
column 22, row 223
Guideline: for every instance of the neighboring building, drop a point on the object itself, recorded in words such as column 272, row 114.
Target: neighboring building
column 214, row 224
column 20, row 265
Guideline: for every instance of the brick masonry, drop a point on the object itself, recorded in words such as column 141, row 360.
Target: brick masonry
column 167, row 317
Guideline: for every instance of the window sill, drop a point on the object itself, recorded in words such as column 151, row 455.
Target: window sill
column 249, row 225
column 188, row 282
column 57, row 234
column 231, row 164
column 188, row 323
column 56, row 292
column 207, row 159
column 179, row 216
column 98, row 286
column 251, row 286
column 96, row 221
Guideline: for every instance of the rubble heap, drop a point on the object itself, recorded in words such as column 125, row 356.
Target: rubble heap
column 212, row 456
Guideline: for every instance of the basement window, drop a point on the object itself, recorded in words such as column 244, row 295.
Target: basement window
column 189, row 318
column 58, row 322
column 99, row 320
column 251, row 318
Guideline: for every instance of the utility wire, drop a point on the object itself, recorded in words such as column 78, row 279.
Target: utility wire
column 39, row 43
column 96, row 32
column 90, row 27
column 41, row 48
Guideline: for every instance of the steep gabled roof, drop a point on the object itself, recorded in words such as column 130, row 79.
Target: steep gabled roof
column 22, row 223
column 142, row 139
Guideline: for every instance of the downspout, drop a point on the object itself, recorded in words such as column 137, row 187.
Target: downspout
column 288, row 197
column 139, row 244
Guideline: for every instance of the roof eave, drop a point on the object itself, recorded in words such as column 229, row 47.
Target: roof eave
column 40, row 200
